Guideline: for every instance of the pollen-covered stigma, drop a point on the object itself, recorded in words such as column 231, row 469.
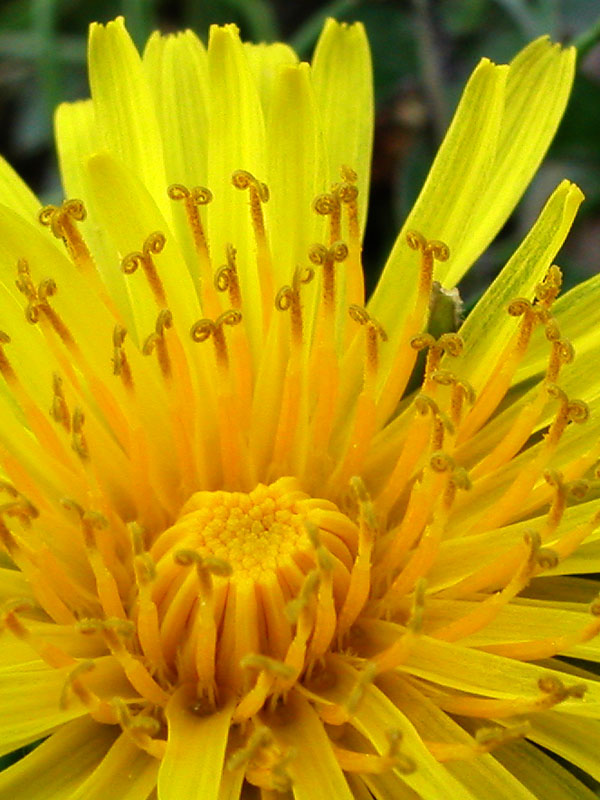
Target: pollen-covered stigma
column 270, row 537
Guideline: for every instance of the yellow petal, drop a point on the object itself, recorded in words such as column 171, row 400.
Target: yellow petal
column 519, row 622
column 484, row 673
column 459, row 175
column 176, row 68
column 543, row 775
column 125, row 772
column 130, row 214
column 537, row 88
column 236, row 139
column 124, row 110
column 58, row 766
column 489, row 326
column 77, row 138
column 30, row 699
column 343, row 80
column 313, row 768
column 571, row 737
column 482, row 776
column 295, row 170
column 195, row 755
column 266, row 61
column 13, row 584
column 572, row 312
column 376, row 715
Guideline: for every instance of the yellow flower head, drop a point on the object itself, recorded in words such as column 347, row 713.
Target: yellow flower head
column 240, row 559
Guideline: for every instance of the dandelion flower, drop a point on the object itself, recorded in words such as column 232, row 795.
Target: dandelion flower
column 240, row 559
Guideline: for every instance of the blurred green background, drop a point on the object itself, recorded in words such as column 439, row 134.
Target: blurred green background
column 423, row 51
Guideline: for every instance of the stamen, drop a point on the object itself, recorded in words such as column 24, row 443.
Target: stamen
column 204, row 623
column 152, row 246
column 562, row 353
column 547, row 291
column 141, row 729
column 374, row 333
column 287, row 432
column 328, row 205
column 369, row 764
column 431, row 251
column 121, row 365
column 39, row 424
column 363, row 427
column 327, row 258
column 552, row 692
column 325, row 615
column 193, row 199
column 156, row 342
column 98, row 709
column 448, row 343
column 486, row 739
column 53, row 655
column 511, row 500
column 288, row 298
column 113, row 631
column 59, row 410
column 235, row 466
column 38, row 302
column 404, row 360
column 260, row 738
column 61, row 221
column 226, row 278
column 102, row 561
column 360, row 576
column 78, row 440
column 270, row 671
column 415, row 444
column 206, row 328
column 147, row 625
column 5, row 368
column 259, row 194
column 501, row 376
column 538, row 649
column 339, row 714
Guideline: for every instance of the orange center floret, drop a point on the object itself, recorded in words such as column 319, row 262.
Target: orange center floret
column 249, row 582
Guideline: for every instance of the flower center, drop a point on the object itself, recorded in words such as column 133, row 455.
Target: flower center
column 249, row 582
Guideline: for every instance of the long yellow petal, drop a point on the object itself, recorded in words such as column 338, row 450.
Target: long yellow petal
column 459, row 175
column 296, row 173
column 124, row 109
column 57, row 767
column 236, row 139
column 125, row 772
column 193, row 762
column 313, row 768
column 537, row 88
column 543, row 775
column 266, row 61
column 345, row 102
column 488, row 327
column 571, row 737
column 176, row 68
column 482, row 776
